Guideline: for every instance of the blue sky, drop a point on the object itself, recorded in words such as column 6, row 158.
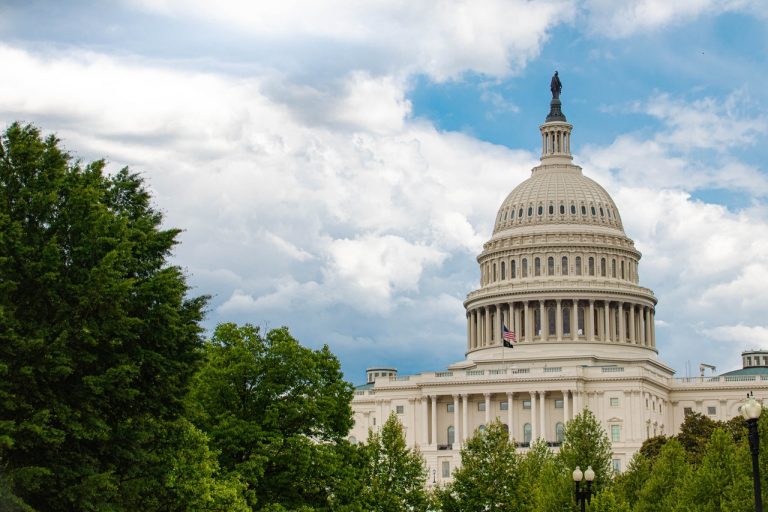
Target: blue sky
column 336, row 166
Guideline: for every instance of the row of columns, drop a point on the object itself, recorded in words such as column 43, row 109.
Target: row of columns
column 555, row 140
column 611, row 324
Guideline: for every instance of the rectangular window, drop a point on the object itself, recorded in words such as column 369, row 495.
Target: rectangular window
column 400, row 409
column 711, row 410
column 558, row 404
column 503, row 406
column 615, row 433
column 617, row 466
column 526, row 404
column 446, row 469
column 687, row 410
column 450, row 407
column 480, row 406
column 614, row 402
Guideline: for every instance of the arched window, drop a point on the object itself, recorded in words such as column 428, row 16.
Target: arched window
column 601, row 212
column 451, row 435
column 591, row 266
column 494, row 272
column 564, row 266
column 562, row 209
column 530, row 211
column 602, row 267
column 513, row 269
column 525, row 267
column 540, row 210
column 527, row 433
column 550, row 266
column 505, row 427
column 613, row 268
column 537, row 266
column 573, row 209
column 559, row 431
column 583, row 210
column 551, row 320
column 481, row 428
column 551, row 210
column 566, row 321
column 503, row 271
column 622, row 269
column 577, row 265
column 506, row 212
column 593, row 211
column 520, row 213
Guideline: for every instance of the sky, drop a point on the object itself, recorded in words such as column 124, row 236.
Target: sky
column 336, row 166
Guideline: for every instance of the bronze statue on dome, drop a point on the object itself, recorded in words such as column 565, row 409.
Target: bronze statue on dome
column 555, row 86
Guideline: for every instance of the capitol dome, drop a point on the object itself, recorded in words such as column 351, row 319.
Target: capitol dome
column 559, row 274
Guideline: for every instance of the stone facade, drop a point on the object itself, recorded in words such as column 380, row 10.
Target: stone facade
column 559, row 272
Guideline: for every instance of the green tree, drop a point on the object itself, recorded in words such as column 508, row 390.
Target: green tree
column 276, row 412
column 98, row 339
column 661, row 490
column 695, row 433
column 394, row 476
column 629, row 483
column 608, row 500
column 585, row 443
column 546, row 484
column 489, row 478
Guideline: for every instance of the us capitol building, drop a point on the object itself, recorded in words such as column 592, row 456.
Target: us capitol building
column 560, row 272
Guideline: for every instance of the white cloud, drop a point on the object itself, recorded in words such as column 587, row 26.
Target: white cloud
column 624, row 18
column 442, row 39
column 755, row 336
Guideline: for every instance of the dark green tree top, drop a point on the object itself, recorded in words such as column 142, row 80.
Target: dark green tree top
column 585, row 443
column 98, row 339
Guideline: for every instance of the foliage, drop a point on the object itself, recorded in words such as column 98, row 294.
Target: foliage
column 652, row 446
column 661, row 490
column 695, row 433
column 610, row 501
column 97, row 338
column 276, row 411
column 586, row 444
column 394, row 476
column 489, row 477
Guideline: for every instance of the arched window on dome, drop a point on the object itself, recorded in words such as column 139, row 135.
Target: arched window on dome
column 580, row 321
column 551, row 321
column 451, row 435
column 566, row 321
column 520, row 213
column 540, row 210
column 613, row 267
column 601, row 212
column 551, row 209
column 602, row 267
column 591, row 266
column 583, row 210
column 524, row 269
column 559, row 432
column 527, row 433
column 506, row 212
column 530, row 211
column 550, row 266
column 562, row 209
column 622, row 269
column 512, row 213
column 537, row 266
column 513, row 269
column 577, row 265
column 503, row 271
column 593, row 211
column 494, row 273
column 564, row 266
column 573, row 209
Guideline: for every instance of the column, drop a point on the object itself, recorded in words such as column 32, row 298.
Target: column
column 497, row 326
column 633, row 328
column 456, row 438
column 464, row 411
column 606, row 320
column 469, row 330
column 543, row 415
column 433, row 434
column 487, row 408
column 575, row 320
column 542, row 325
column 642, row 325
column 591, row 319
column 653, row 328
column 565, row 406
column 622, row 337
column 528, row 336
column 510, row 397
column 559, row 320
column 534, row 430
column 424, row 420
column 487, row 326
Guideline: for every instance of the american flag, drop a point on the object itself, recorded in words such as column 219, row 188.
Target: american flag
column 507, row 335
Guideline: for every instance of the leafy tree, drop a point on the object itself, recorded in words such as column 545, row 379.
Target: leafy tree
column 608, row 500
column 489, row 478
column 546, row 484
column 629, row 483
column 98, row 339
column 394, row 476
column 276, row 411
column 585, row 443
column 695, row 433
column 652, row 446
column 661, row 490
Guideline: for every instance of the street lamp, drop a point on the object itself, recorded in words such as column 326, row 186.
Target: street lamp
column 434, row 472
column 751, row 410
column 583, row 496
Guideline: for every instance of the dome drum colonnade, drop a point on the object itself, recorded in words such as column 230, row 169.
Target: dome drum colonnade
column 559, row 267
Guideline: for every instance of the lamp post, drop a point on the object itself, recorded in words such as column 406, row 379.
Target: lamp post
column 583, row 496
column 751, row 410
column 434, row 473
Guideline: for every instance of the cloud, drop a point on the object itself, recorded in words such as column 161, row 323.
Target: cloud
column 749, row 336
column 442, row 39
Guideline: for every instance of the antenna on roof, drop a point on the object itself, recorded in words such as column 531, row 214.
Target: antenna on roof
column 705, row 366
